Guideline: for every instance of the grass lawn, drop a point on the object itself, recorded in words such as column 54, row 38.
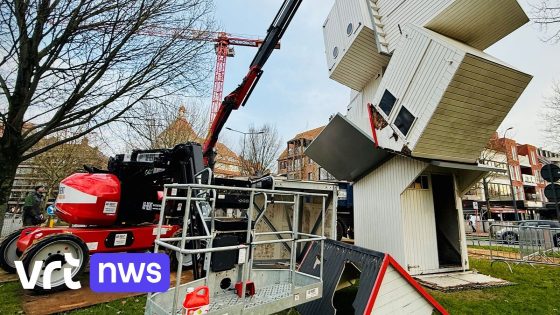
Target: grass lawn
column 537, row 292
column 129, row 306
column 507, row 249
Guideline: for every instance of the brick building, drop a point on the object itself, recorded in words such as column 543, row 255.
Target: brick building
column 524, row 165
column 180, row 130
column 294, row 164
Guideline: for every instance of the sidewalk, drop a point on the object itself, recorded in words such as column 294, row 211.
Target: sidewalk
column 477, row 234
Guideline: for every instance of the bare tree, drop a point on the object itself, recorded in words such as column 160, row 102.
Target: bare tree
column 163, row 124
column 259, row 150
column 59, row 162
column 80, row 65
column 546, row 14
column 551, row 119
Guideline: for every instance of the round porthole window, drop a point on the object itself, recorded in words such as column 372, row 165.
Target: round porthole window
column 335, row 52
column 349, row 29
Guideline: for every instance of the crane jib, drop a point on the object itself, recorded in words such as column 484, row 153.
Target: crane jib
column 242, row 93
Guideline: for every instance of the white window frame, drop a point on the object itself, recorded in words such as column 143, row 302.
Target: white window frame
column 514, row 153
column 397, row 130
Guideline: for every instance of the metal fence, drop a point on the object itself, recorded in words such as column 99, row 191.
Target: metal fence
column 483, row 226
column 524, row 243
column 12, row 222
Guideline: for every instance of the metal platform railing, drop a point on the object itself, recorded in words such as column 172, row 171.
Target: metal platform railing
column 281, row 287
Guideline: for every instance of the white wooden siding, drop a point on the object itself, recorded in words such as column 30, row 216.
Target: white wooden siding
column 479, row 23
column 419, row 227
column 357, row 109
column 417, row 76
column 332, row 37
column 427, row 86
column 360, row 62
column 475, row 103
column 396, row 13
column 460, row 218
column 444, row 83
column 358, row 59
column 398, row 296
column 377, row 206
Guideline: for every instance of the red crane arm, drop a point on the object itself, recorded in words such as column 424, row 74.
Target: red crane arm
column 207, row 36
column 242, row 93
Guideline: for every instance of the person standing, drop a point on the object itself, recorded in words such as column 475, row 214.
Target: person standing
column 32, row 213
column 472, row 221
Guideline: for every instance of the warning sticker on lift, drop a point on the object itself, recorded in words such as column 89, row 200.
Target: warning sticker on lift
column 242, row 254
column 120, row 240
column 163, row 231
column 110, row 207
column 311, row 293
column 92, row 245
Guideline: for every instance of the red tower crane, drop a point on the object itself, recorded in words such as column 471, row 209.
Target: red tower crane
column 223, row 42
column 223, row 50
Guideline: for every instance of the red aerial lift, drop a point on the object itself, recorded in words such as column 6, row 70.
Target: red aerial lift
column 116, row 210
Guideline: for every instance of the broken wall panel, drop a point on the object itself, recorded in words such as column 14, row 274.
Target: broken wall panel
column 336, row 254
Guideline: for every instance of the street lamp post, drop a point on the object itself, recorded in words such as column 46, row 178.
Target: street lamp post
column 514, row 200
column 244, row 135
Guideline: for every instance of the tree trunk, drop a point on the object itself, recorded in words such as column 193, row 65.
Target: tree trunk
column 8, row 166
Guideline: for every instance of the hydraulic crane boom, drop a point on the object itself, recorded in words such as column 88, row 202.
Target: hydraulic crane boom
column 242, row 93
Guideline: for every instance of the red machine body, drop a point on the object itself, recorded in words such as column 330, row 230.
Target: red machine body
column 89, row 199
column 102, row 239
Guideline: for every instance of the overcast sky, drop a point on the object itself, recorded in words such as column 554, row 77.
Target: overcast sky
column 295, row 93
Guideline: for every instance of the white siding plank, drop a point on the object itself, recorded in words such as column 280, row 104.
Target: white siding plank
column 399, row 297
column 419, row 226
column 377, row 198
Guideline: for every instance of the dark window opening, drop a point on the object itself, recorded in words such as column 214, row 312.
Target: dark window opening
column 335, row 52
column 387, row 102
column 421, row 182
column 404, row 120
column 349, row 29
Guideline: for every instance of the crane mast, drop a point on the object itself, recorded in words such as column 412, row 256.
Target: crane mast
column 241, row 94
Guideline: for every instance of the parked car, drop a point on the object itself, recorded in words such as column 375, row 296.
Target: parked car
column 511, row 235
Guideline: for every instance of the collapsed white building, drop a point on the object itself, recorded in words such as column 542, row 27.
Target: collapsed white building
column 425, row 101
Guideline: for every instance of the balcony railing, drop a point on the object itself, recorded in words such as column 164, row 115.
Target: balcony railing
column 533, row 197
column 529, row 179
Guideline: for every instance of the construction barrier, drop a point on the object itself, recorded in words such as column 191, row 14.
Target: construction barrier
column 524, row 243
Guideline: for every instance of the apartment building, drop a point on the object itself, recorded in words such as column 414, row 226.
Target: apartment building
column 294, row 164
column 520, row 166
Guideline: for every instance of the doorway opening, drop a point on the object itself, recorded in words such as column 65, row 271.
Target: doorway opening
column 447, row 224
